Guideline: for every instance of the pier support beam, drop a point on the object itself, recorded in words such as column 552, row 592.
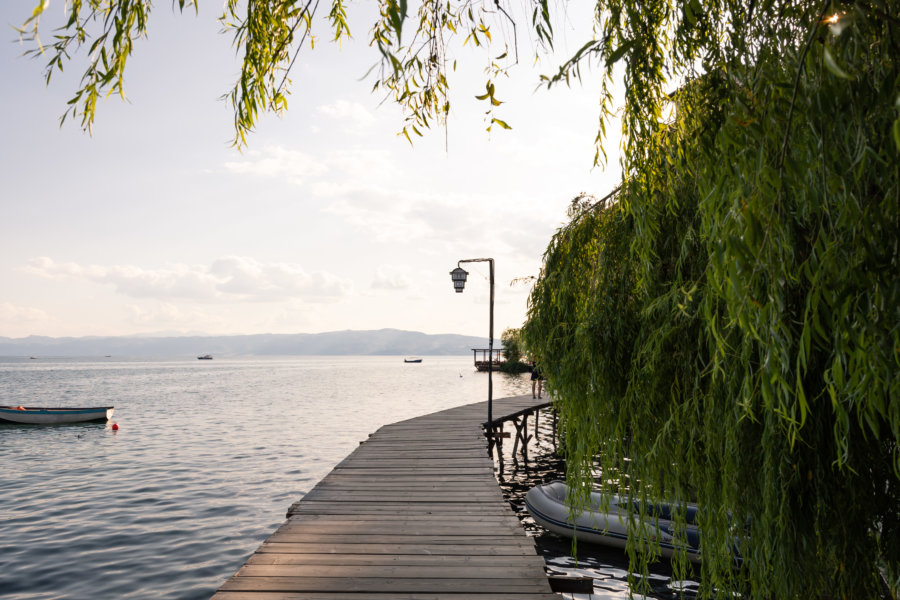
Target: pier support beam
column 521, row 436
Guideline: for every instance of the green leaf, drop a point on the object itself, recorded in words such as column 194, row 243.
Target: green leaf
column 832, row 66
column 692, row 10
column 501, row 123
column 897, row 133
column 619, row 53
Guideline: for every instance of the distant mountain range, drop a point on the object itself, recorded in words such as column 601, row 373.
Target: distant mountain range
column 380, row 342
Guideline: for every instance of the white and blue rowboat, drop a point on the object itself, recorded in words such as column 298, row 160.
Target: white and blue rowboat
column 34, row 415
column 605, row 520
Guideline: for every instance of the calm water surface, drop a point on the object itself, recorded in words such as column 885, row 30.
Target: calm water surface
column 208, row 457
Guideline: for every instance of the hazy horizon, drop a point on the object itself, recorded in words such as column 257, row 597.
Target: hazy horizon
column 392, row 342
column 166, row 334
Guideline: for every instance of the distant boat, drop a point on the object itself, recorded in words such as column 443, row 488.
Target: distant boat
column 35, row 415
column 205, row 357
column 412, row 359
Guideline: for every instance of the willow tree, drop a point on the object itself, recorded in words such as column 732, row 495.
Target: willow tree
column 726, row 326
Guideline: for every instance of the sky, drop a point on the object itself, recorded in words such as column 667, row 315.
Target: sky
column 328, row 220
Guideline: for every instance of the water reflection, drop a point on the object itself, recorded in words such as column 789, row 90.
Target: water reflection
column 608, row 567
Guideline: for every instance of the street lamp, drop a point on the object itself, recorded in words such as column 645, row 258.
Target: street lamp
column 459, row 283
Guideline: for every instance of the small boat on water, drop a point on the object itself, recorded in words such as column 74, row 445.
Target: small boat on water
column 205, row 357
column 34, row 415
column 412, row 359
column 604, row 521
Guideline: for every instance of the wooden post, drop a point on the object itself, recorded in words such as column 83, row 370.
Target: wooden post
column 518, row 437
column 500, row 448
column 525, row 437
column 554, row 430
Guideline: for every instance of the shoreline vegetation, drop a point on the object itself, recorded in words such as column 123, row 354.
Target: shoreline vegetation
column 513, row 352
column 514, row 368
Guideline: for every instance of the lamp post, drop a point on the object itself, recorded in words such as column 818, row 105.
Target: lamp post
column 459, row 283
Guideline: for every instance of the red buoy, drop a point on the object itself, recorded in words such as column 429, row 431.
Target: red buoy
column 115, row 427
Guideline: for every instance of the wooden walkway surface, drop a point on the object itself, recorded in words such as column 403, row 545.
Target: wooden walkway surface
column 414, row 513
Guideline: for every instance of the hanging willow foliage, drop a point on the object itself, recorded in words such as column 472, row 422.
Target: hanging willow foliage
column 728, row 330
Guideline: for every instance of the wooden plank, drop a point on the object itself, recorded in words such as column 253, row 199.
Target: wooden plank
column 377, row 584
column 434, row 549
column 376, row 528
column 449, row 477
column 379, row 596
column 411, row 484
column 431, row 540
column 506, row 517
column 389, row 571
column 498, row 562
column 449, row 508
column 397, row 496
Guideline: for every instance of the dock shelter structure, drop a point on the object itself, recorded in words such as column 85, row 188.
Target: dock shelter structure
column 484, row 357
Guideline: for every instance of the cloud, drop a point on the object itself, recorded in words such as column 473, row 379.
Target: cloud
column 231, row 278
column 351, row 114
column 248, row 277
column 400, row 216
column 10, row 313
column 397, row 215
column 165, row 313
column 364, row 165
column 276, row 162
column 391, row 278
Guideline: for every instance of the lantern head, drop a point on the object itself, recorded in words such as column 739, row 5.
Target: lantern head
column 459, row 279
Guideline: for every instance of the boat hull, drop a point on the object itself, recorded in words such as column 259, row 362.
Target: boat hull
column 54, row 416
column 605, row 521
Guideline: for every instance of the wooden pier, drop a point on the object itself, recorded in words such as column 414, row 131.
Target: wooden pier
column 414, row 513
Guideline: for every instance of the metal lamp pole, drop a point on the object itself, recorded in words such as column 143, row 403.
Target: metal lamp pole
column 459, row 283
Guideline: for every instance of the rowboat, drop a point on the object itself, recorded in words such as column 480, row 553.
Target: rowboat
column 412, row 359
column 205, row 357
column 605, row 520
column 53, row 416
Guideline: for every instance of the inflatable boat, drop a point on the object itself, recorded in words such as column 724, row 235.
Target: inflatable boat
column 605, row 520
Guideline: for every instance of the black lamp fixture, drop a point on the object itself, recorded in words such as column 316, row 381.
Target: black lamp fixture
column 459, row 279
column 459, row 283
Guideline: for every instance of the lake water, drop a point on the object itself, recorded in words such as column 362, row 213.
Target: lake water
column 208, row 457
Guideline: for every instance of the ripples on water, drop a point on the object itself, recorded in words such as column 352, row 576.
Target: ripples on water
column 608, row 567
column 208, row 457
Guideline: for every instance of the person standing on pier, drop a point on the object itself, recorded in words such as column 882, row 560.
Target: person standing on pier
column 537, row 379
